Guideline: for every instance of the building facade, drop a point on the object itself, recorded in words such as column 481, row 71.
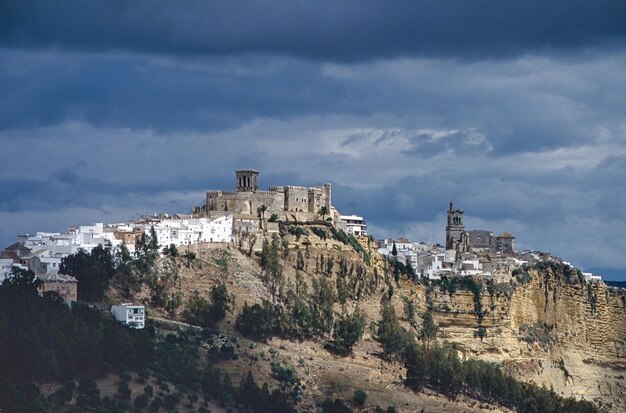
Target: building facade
column 354, row 224
column 455, row 227
column 277, row 199
column 478, row 241
column 133, row 316
column 64, row 285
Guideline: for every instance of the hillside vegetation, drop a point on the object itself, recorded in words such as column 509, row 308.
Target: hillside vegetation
column 306, row 319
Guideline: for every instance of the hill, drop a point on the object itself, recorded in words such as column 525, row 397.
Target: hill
column 317, row 315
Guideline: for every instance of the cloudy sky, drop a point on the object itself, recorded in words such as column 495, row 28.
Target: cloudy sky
column 516, row 111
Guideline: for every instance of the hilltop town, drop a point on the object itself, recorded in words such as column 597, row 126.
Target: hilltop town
column 408, row 325
column 240, row 217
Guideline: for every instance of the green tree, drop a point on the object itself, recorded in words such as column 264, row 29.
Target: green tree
column 171, row 250
column 429, row 328
column 272, row 269
column 359, row 397
column 189, row 258
column 221, row 302
column 393, row 337
column 261, row 214
column 257, row 321
column 206, row 313
column 93, row 271
column 284, row 243
column 123, row 391
column 417, row 367
column 348, row 330
column 249, row 392
column 298, row 308
column 153, row 242
column 322, row 300
column 300, row 261
column 322, row 212
column 408, row 307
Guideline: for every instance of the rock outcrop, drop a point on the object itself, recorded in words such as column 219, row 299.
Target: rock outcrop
column 568, row 335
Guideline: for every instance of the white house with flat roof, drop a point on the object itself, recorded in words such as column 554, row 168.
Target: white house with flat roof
column 133, row 316
column 355, row 225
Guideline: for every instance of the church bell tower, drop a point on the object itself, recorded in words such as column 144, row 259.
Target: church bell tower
column 455, row 227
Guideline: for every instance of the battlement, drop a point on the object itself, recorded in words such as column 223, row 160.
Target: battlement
column 247, row 197
column 270, row 192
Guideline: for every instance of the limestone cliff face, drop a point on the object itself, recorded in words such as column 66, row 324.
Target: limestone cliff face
column 568, row 336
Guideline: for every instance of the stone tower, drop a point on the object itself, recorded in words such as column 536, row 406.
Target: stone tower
column 247, row 180
column 455, row 227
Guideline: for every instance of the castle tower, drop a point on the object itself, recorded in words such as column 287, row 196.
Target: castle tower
column 455, row 227
column 247, row 180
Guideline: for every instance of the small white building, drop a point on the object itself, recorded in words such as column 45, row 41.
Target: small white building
column 132, row 315
column 591, row 277
column 5, row 268
column 355, row 225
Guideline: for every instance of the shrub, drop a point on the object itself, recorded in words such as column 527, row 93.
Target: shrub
column 155, row 405
column 123, row 391
column 521, row 276
column 298, row 231
column 481, row 332
column 148, row 390
column 393, row 338
column 206, row 313
column 141, row 401
column 348, row 331
column 320, row 232
column 257, row 321
column 336, row 406
column 143, row 374
column 171, row 400
column 537, row 333
column 359, row 397
column 350, row 240
column 284, row 372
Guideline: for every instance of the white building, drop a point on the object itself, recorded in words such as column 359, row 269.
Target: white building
column 192, row 231
column 355, row 225
column 216, row 230
column 591, row 277
column 132, row 315
column 5, row 268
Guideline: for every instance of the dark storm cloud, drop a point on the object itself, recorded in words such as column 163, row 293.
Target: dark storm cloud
column 65, row 188
column 326, row 30
column 514, row 110
column 508, row 108
column 131, row 91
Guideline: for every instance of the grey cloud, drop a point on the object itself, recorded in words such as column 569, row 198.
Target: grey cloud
column 509, row 110
column 514, row 110
column 324, row 30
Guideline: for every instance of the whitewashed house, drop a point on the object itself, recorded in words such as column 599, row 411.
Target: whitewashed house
column 132, row 315
column 354, row 224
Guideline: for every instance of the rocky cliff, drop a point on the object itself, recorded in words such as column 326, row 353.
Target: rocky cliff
column 565, row 334
column 549, row 326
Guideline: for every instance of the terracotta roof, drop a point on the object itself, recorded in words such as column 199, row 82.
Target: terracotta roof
column 57, row 277
column 18, row 246
column 9, row 255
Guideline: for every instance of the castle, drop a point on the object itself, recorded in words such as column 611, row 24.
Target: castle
column 299, row 202
column 478, row 241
